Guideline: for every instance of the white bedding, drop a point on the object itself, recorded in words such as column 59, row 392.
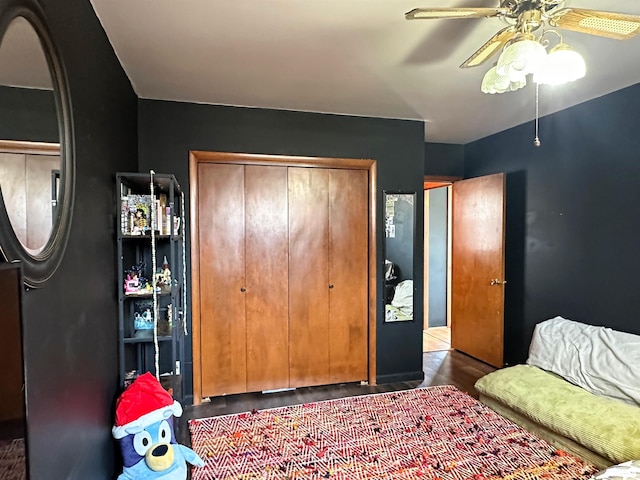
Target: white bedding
column 600, row 360
column 401, row 307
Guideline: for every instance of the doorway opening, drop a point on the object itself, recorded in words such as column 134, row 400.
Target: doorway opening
column 436, row 332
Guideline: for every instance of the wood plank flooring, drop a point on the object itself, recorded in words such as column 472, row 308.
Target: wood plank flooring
column 447, row 367
column 436, row 338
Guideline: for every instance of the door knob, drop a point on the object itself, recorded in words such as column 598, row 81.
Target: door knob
column 331, row 285
column 242, row 289
column 497, row 281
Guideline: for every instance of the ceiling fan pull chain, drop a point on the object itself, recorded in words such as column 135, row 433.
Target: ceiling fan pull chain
column 536, row 140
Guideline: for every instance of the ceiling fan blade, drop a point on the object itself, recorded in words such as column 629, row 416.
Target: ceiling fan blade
column 491, row 47
column 436, row 13
column 595, row 22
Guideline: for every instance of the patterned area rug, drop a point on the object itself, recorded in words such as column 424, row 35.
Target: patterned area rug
column 431, row 433
column 12, row 461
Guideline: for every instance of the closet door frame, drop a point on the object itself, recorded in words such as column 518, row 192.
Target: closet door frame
column 196, row 157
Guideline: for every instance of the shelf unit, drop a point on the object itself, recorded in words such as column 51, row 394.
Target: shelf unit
column 151, row 300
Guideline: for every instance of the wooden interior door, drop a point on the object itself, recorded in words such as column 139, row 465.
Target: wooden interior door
column 348, row 273
column 267, row 277
column 478, row 268
column 222, row 282
column 11, row 374
column 308, row 276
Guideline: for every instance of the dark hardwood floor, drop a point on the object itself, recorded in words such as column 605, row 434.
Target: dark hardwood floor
column 447, row 367
column 12, row 429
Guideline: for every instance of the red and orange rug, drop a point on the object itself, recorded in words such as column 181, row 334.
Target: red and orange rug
column 426, row 433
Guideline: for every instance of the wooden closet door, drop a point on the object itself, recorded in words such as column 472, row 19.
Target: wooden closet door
column 267, row 273
column 308, row 276
column 222, row 278
column 348, row 270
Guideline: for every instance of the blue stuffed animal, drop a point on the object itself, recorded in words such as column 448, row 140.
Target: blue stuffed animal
column 144, row 429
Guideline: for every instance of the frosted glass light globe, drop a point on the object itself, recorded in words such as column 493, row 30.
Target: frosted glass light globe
column 520, row 59
column 494, row 83
column 562, row 65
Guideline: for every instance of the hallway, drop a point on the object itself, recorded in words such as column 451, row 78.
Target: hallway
column 436, row 338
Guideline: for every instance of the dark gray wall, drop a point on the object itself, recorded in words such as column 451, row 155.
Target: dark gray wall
column 71, row 341
column 572, row 216
column 28, row 114
column 443, row 159
column 168, row 130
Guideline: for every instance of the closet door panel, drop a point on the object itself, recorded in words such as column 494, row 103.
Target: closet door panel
column 38, row 184
column 267, row 309
column 222, row 278
column 348, row 253
column 14, row 173
column 308, row 276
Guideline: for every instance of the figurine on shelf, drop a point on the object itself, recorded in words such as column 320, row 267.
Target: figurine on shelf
column 131, row 283
column 166, row 273
column 145, row 285
column 163, row 279
column 143, row 321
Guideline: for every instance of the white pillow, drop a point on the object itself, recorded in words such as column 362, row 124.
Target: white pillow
column 625, row 471
column 403, row 296
column 600, row 360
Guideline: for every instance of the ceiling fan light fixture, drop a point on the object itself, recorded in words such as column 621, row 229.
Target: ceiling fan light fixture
column 562, row 65
column 495, row 83
column 521, row 58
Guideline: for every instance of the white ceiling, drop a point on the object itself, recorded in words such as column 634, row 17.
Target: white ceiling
column 352, row 57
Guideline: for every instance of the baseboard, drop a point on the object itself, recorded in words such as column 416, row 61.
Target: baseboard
column 400, row 377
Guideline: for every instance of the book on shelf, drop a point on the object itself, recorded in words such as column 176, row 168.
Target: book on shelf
column 135, row 214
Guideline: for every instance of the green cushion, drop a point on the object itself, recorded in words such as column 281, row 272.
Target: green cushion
column 605, row 426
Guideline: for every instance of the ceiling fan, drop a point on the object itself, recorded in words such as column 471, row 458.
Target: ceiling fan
column 526, row 16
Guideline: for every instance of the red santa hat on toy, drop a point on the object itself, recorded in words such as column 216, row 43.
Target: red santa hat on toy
column 143, row 403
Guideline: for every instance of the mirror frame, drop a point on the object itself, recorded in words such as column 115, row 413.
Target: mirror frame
column 39, row 268
column 413, row 222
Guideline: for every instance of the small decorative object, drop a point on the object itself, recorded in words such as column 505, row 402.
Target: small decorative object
column 163, row 279
column 129, row 377
column 166, row 273
column 144, row 285
column 131, row 283
column 144, row 429
column 143, row 321
column 143, row 318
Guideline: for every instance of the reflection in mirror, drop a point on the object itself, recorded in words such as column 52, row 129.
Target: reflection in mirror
column 398, row 250
column 29, row 152
column 29, row 190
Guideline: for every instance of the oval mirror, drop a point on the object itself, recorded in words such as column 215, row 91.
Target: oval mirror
column 36, row 169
